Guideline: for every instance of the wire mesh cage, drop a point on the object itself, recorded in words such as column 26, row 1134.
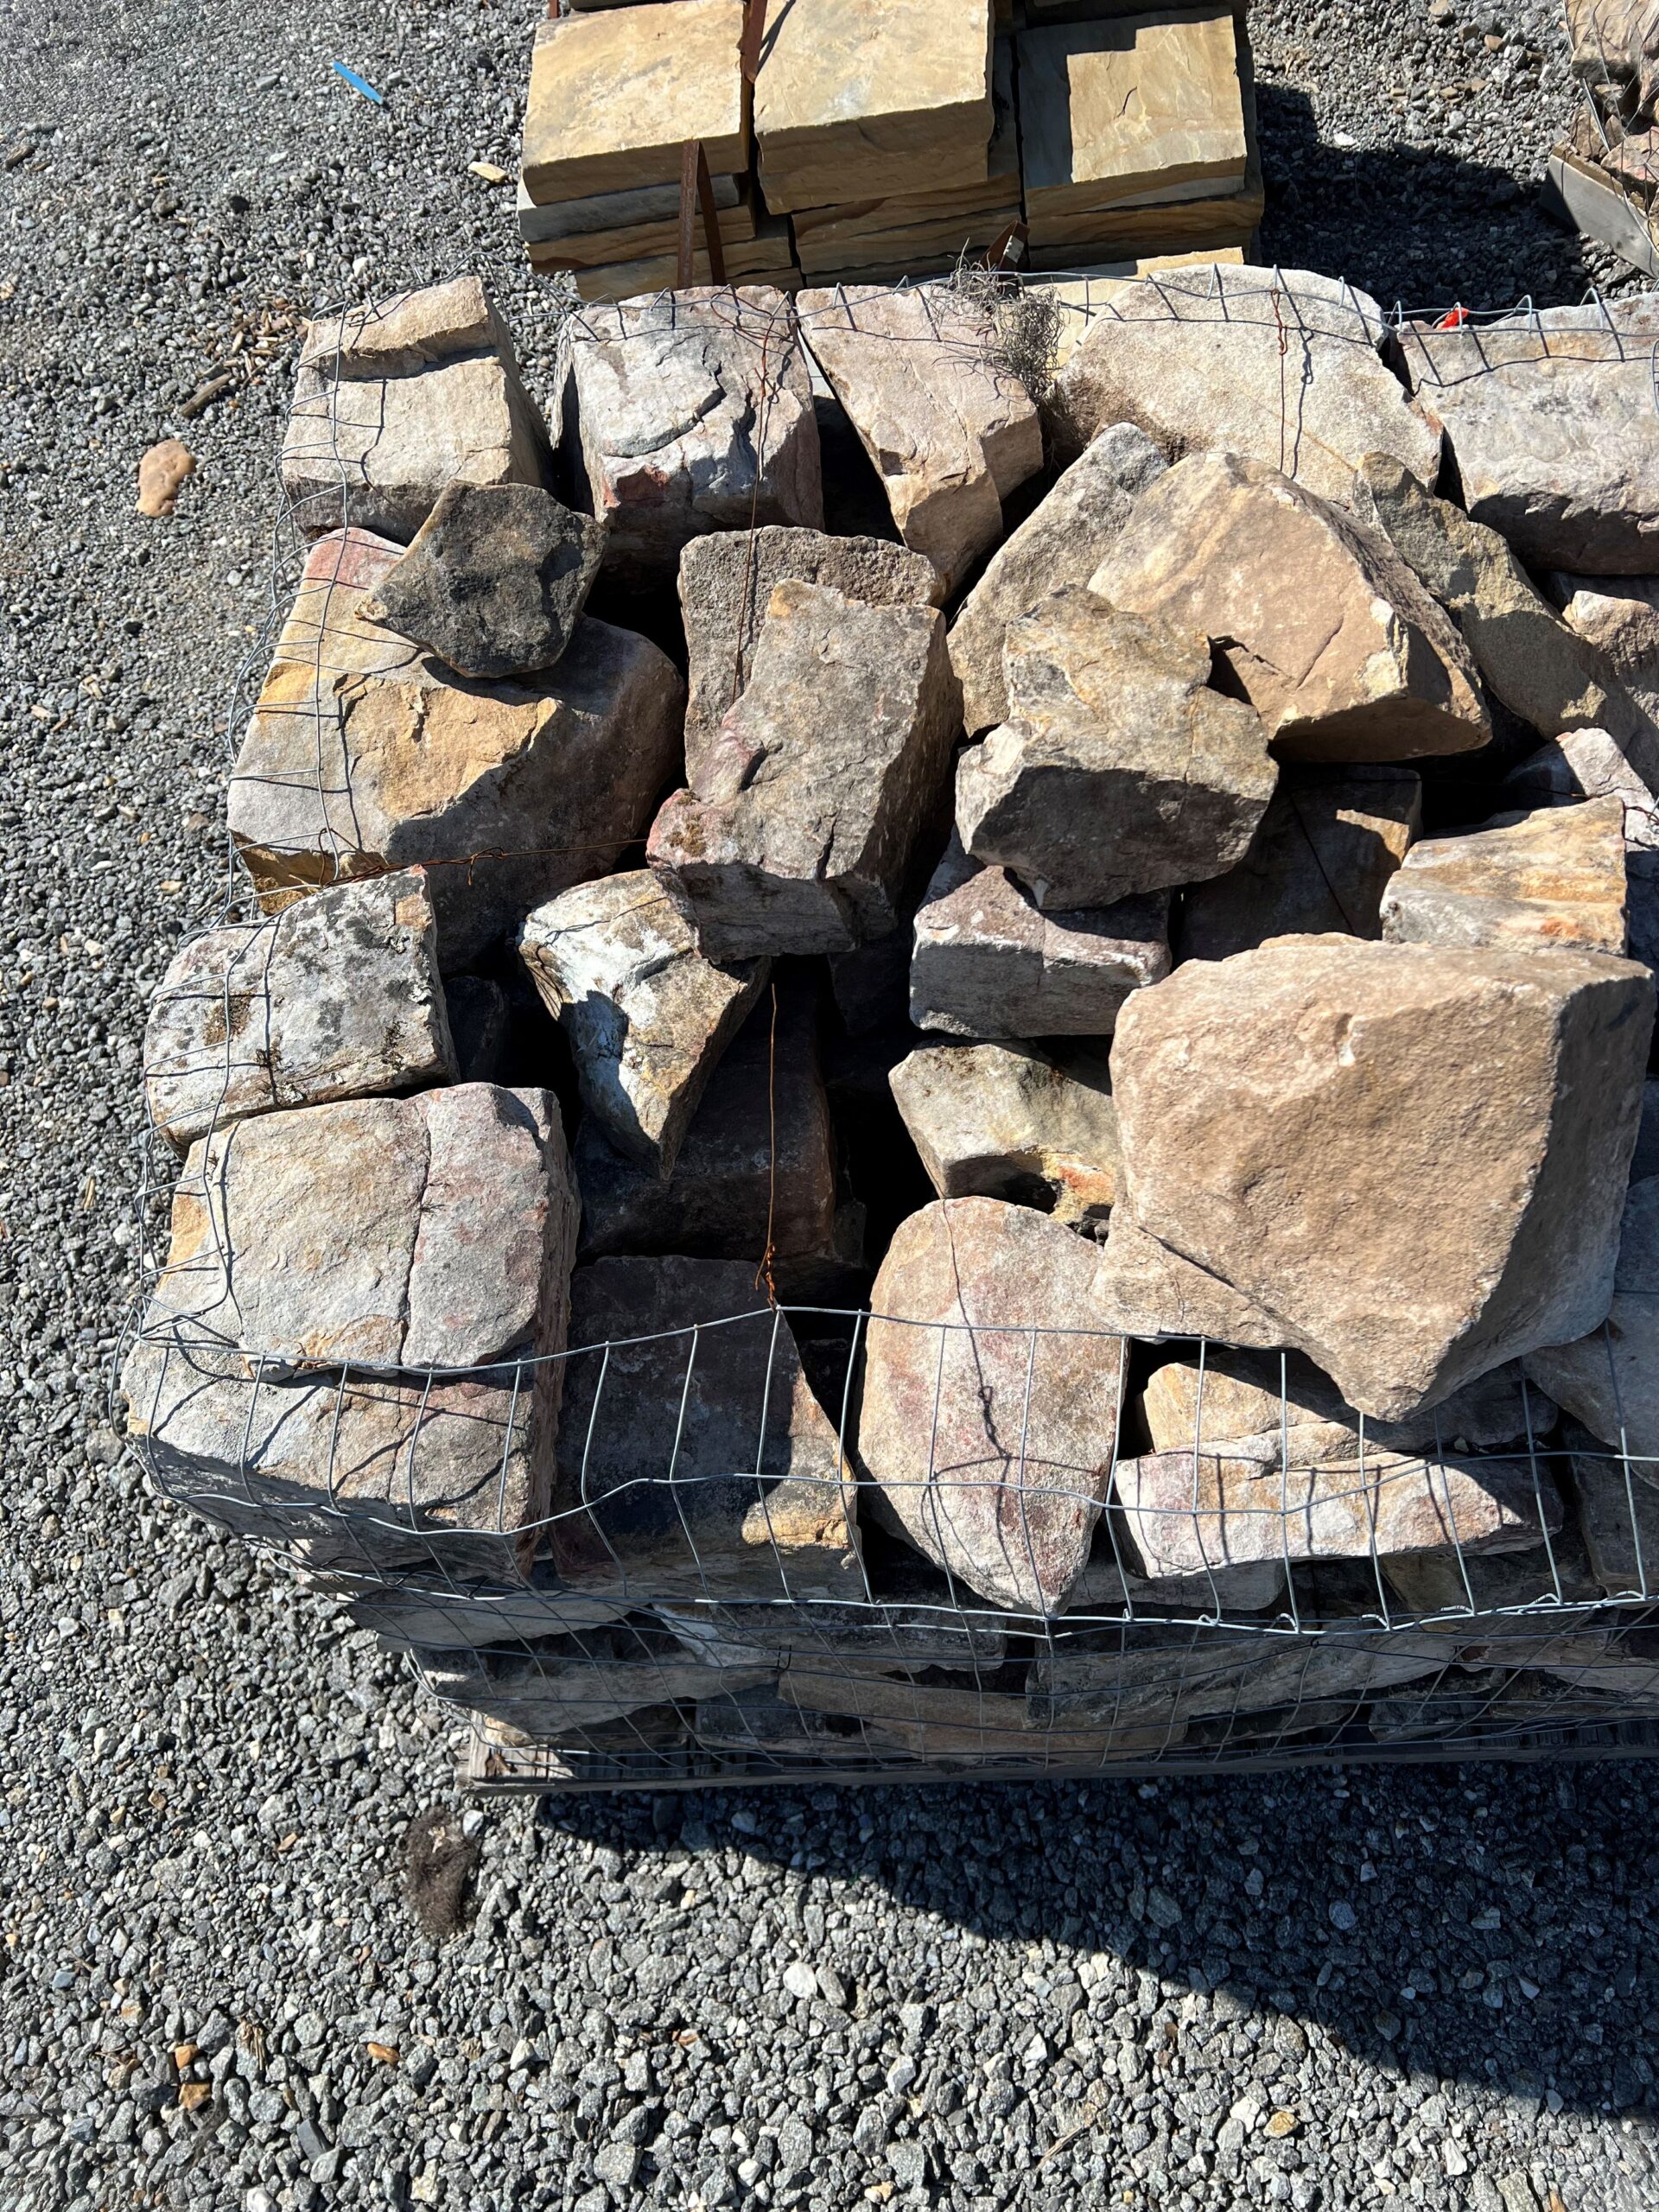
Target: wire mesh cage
column 693, row 1523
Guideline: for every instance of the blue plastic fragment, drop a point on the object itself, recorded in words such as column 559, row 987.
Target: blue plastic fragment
column 359, row 84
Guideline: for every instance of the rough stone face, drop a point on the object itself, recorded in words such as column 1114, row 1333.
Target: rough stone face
column 1608, row 1378
column 875, row 96
column 1194, row 357
column 989, row 1414
column 563, row 1688
column 1297, row 1122
column 1180, row 1673
column 393, row 402
column 757, row 1151
column 363, row 755
column 1620, row 616
column 437, row 1616
column 337, row 996
column 798, row 832
column 1550, row 417
column 1004, row 1121
column 1538, row 666
column 1119, row 770
column 1282, row 1403
column 1183, row 1513
column 1618, row 1518
column 1554, row 878
column 727, row 582
column 436, row 1230
column 646, row 1016
column 694, row 410
column 695, row 1461
column 950, row 433
column 495, row 579
column 1143, row 1289
column 1584, row 764
column 1328, row 846
column 1063, row 540
column 616, row 93
column 988, row 963
column 1325, row 629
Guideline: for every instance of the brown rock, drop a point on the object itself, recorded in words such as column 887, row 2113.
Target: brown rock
column 1144, row 1290
column 1119, row 771
column 1323, row 628
column 697, row 1463
column 1328, row 846
column 1553, row 878
column 989, row 1414
column 950, row 431
column 988, row 963
column 796, row 836
column 161, row 469
column 1004, row 1121
column 1296, row 1122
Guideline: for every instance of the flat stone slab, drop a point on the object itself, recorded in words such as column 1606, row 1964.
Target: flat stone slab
column 1551, row 419
column 990, row 1411
column 393, row 402
column 615, row 94
column 988, row 963
column 646, row 1016
column 727, row 581
column 950, row 431
column 872, row 97
column 1326, row 851
column 1119, row 770
column 1063, row 540
column 337, row 996
column 1295, row 1121
column 694, row 413
column 1552, row 878
column 695, row 1462
column 1324, row 627
column 1004, row 1121
column 1194, row 357
column 796, row 835
column 364, row 755
column 494, row 581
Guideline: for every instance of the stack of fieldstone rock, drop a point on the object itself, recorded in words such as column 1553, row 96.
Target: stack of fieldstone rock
column 1020, row 1136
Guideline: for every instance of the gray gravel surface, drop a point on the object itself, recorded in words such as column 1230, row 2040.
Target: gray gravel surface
column 1434, row 1986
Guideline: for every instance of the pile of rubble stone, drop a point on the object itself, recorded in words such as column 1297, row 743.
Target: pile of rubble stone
column 1020, row 1133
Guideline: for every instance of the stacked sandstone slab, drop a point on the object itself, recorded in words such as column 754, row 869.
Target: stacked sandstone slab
column 884, row 138
column 1036, row 1149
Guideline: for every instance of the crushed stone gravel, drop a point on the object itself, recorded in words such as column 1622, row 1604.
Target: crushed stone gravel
column 1431, row 1987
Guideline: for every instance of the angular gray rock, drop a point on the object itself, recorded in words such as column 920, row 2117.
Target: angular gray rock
column 364, row 755
column 1325, row 629
column 988, row 963
column 1618, row 1515
column 420, row 1614
column 395, row 402
column 1143, row 1289
column 337, row 996
column 1006, row 1122
column 1063, row 540
column 1119, row 770
column 1608, row 1378
column 494, row 581
column 1540, row 666
column 727, row 582
column 1620, row 616
column 390, row 1233
column 1553, row 878
column 951, row 431
column 1329, row 843
column 990, row 1398
column 1281, row 365
column 756, row 1165
column 694, row 413
column 798, row 832
column 1550, row 418
column 1296, row 1122
column 646, row 1016
column 559, row 1689
column 694, row 1461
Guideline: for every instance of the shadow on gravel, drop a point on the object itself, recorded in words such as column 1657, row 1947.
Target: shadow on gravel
column 1408, row 223
column 1497, row 1924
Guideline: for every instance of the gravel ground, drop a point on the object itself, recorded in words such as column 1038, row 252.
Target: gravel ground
column 1433, row 1985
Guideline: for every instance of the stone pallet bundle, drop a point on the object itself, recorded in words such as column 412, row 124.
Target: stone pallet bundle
column 1026, row 1148
column 867, row 140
